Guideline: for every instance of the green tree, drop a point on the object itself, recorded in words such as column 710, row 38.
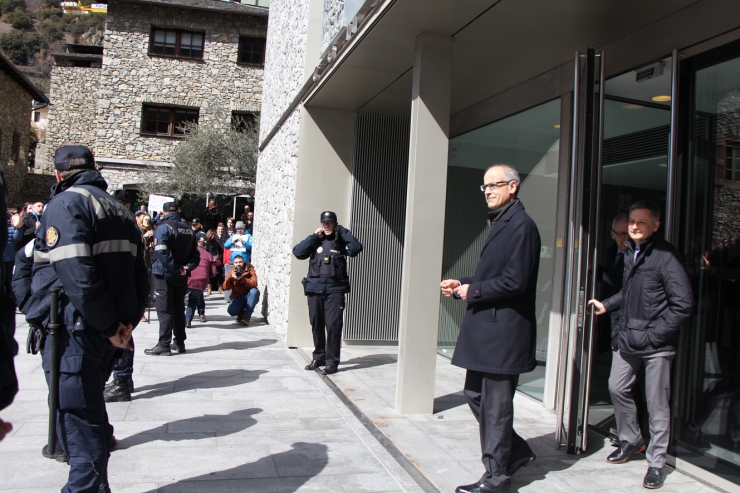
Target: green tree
column 19, row 18
column 210, row 159
column 8, row 6
column 51, row 29
column 20, row 46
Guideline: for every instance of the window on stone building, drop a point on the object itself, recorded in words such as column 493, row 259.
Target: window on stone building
column 732, row 163
column 37, row 116
column 176, row 43
column 158, row 120
column 242, row 120
column 15, row 150
column 252, row 50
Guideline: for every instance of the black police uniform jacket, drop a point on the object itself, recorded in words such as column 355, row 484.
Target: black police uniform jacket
column 498, row 333
column 655, row 300
column 327, row 265
column 89, row 246
column 175, row 247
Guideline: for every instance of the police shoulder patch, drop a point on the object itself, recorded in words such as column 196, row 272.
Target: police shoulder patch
column 52, row 236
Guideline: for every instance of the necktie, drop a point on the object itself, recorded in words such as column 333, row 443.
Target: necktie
column 637, row 250
column 620, row 253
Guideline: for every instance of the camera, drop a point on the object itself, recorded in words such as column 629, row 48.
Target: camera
column 238, row 272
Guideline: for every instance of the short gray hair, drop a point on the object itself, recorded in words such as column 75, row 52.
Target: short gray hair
column 619, row 218
column 509, row 172
column 648, row 205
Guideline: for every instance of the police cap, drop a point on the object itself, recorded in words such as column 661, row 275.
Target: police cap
column 328, row 216
column 195, row 221
column 169, row 207
column 121, row 196
column 73, row 157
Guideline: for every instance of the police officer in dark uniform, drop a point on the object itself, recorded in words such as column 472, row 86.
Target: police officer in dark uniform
column 89, row 246
column 326, row 285
column 120, row 389
column 175, row 256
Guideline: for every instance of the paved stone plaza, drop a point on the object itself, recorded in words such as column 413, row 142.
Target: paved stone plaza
column 238, row 413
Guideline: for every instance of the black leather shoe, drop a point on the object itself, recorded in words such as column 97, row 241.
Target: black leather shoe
column 158, row 351
column 314, row 365
column 120, row 391
column 480, row 488
column 112, row 384
column 625, row 451
column 654, row 478
column 329, row 370
column 178, row 347
column 524, row 462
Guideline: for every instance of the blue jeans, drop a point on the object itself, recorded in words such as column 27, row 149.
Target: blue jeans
column 243, row 306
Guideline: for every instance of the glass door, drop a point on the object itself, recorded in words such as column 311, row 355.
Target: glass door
column 707, row 377
column 637, row 125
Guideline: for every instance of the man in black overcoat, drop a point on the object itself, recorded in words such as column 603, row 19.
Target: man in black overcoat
column 498, row 334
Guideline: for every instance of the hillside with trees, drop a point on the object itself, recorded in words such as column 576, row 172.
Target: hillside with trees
column 31, row 30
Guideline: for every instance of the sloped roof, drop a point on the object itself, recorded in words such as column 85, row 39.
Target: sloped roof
column 211, row 5
column 15, row 74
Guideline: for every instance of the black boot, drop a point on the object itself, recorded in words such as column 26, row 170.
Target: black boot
column 120, row 391
column 314, row 365
column 178, row 347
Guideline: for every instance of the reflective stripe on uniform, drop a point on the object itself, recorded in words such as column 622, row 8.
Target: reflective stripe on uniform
column 95, row 203
column 40, row 257
column 160, row 247
column 69, row 251
column 115, row 246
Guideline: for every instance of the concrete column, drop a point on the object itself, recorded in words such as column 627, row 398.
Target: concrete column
column 424, row 237
column 323, row 182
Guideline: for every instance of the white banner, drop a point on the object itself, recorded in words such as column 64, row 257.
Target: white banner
column 156, row 202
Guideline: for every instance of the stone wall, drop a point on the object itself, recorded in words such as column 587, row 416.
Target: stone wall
column 332, row 21
column 37, row 187
column 73, row 95
column 15, row 116
column 726, row 213
column 286, row 51
column 273, row 222
column 130, row 77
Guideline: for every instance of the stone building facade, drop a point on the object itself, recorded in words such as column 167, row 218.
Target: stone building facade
column 133, row 77
column 16, row 96
column 294, row 45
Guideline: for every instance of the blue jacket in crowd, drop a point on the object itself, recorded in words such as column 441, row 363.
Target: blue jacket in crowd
column 241, row 245
column 14, row 235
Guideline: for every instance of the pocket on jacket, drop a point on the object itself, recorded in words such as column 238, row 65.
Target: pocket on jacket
column 638, row 333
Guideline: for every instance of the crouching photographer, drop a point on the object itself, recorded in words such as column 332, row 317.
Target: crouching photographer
column 242, row 281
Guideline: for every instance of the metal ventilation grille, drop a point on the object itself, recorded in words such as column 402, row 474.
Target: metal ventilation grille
column 380, row 174
column 465, row 233
column 635, row 146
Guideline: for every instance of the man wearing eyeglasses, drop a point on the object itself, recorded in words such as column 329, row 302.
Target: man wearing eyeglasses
column 498, row 334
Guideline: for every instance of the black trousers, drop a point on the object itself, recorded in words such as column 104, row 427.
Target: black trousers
column 491, row 398
column 170, row 305
column 326, row 312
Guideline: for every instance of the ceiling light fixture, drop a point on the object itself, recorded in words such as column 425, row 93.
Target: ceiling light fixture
column 632, row 107
column 557, row 125
column 661, row 99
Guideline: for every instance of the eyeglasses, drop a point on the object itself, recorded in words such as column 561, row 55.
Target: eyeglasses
column 620, row 234
column 494, row 186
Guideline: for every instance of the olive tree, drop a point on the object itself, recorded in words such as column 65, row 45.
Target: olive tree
column 210, row 159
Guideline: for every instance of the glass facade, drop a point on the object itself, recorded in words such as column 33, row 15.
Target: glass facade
column 707, row 395
column 530, row 142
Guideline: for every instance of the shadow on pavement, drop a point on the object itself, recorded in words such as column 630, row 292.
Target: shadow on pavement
column 214, row 379
column 548, row 462
column 285, row 472
column 193, row 428
column 238, row 345
column 368, row 361
column 449, row 401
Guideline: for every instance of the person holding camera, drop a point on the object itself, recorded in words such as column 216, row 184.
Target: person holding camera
column 242, row 281
column 240, row 243
column 326, row 285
